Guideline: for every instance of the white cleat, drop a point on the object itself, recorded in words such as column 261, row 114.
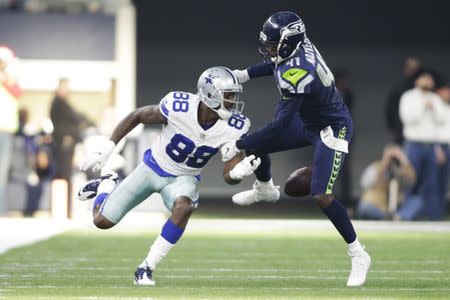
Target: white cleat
column 143, row 276
column 260, row 192
column 89, row 190
column 360, row 267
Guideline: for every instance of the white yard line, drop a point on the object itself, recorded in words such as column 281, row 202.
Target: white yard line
column 240, row 276
column 321, row 289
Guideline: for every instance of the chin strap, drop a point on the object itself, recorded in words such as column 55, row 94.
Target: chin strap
column 223, row 113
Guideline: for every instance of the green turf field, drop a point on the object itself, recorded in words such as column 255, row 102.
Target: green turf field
column 99, row 265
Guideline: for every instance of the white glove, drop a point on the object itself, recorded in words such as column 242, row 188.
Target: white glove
column 97, row 159
column 241, row 75
column 229, row 150
column 245, row 167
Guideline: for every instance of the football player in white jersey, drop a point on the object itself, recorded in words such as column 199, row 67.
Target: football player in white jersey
column 196, row 127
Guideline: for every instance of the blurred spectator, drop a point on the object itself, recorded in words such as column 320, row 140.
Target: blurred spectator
column 9, row 91
column 421, row 112
column 443, row 151
column 345, row 180
column 68, row 125
column 16, row 5
column 394, row 124
column 376, row 181
column 37, row 146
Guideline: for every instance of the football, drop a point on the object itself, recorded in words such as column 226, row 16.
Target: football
column 299, row 182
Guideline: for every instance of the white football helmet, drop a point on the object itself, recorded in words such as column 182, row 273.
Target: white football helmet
column 212, row 86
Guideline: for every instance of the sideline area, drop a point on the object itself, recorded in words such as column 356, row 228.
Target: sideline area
column 16, row 232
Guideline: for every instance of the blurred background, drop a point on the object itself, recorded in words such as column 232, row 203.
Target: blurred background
column 72, row 69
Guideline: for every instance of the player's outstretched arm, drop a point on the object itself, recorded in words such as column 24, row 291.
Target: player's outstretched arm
column 239, row 167
column 254, row 71
column 95, row 160
column 145, row 115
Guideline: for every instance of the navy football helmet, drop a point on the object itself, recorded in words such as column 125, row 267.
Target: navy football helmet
column 281, row 36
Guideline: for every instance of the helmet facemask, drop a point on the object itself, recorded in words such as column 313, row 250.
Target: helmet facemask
column 230, row 106
column 268, row 49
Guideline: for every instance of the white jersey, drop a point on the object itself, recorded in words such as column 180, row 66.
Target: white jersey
column 443, row 130
column 184, row 147
column 420, row 124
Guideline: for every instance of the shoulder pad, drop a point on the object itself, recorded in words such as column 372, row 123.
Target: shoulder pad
column 293, row 75
column 175, row 101
column 239, row 122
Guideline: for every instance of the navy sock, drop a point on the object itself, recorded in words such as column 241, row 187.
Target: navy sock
column 339, row 217
column 171, row 232
column 263, row 172
column 99, row 200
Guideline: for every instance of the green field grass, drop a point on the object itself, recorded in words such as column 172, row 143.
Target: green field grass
column 99, row 265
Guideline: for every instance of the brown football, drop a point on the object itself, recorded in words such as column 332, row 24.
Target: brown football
column 299, row 182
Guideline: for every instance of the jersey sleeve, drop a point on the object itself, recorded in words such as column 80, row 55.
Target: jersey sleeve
column 165, row 104
column 294, row 80
column 261, row 69
column 246, row 127
column 239, row 126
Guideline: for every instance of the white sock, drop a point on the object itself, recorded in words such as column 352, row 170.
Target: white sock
column 106, row 186
column 266, row 184
column 157, row 252
column 354, row 246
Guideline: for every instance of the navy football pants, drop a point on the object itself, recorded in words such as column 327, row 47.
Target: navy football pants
column 326, row 161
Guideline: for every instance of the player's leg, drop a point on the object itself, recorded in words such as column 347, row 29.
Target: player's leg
column 326, row 165
column 433, row 209
column 443, row 177
column 263, row 188
column 98, row 189
column 113, row 202
column 414, row 201
column 180, row 197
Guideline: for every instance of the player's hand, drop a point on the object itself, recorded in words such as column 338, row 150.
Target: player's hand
column 229, row 150
column 97, row 159
column 245, row 167
column 241, row 75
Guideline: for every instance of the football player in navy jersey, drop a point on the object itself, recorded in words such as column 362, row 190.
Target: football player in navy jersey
column 310, row 112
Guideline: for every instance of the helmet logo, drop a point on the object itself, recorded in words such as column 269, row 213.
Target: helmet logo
column 263, row 36
column 293, row 29
column 208, row 80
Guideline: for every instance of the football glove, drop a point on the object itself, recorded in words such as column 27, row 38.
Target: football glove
column 229, row 150
column 245, row 167
column 97, row 159
column 241, row 75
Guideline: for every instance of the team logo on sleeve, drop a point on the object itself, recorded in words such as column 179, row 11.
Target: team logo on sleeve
column 294, row 75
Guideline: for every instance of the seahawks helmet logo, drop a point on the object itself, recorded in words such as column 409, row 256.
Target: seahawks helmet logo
column 263, row 36
column 293, row 28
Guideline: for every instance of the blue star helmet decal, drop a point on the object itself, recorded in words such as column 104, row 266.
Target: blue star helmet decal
column 208, row 80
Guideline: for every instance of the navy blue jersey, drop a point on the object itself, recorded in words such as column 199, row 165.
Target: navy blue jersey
column 306, row 74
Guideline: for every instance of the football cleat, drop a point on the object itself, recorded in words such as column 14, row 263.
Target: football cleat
column 143, row 276
column 89, row 190
column 269, row 193
column 360, row 267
